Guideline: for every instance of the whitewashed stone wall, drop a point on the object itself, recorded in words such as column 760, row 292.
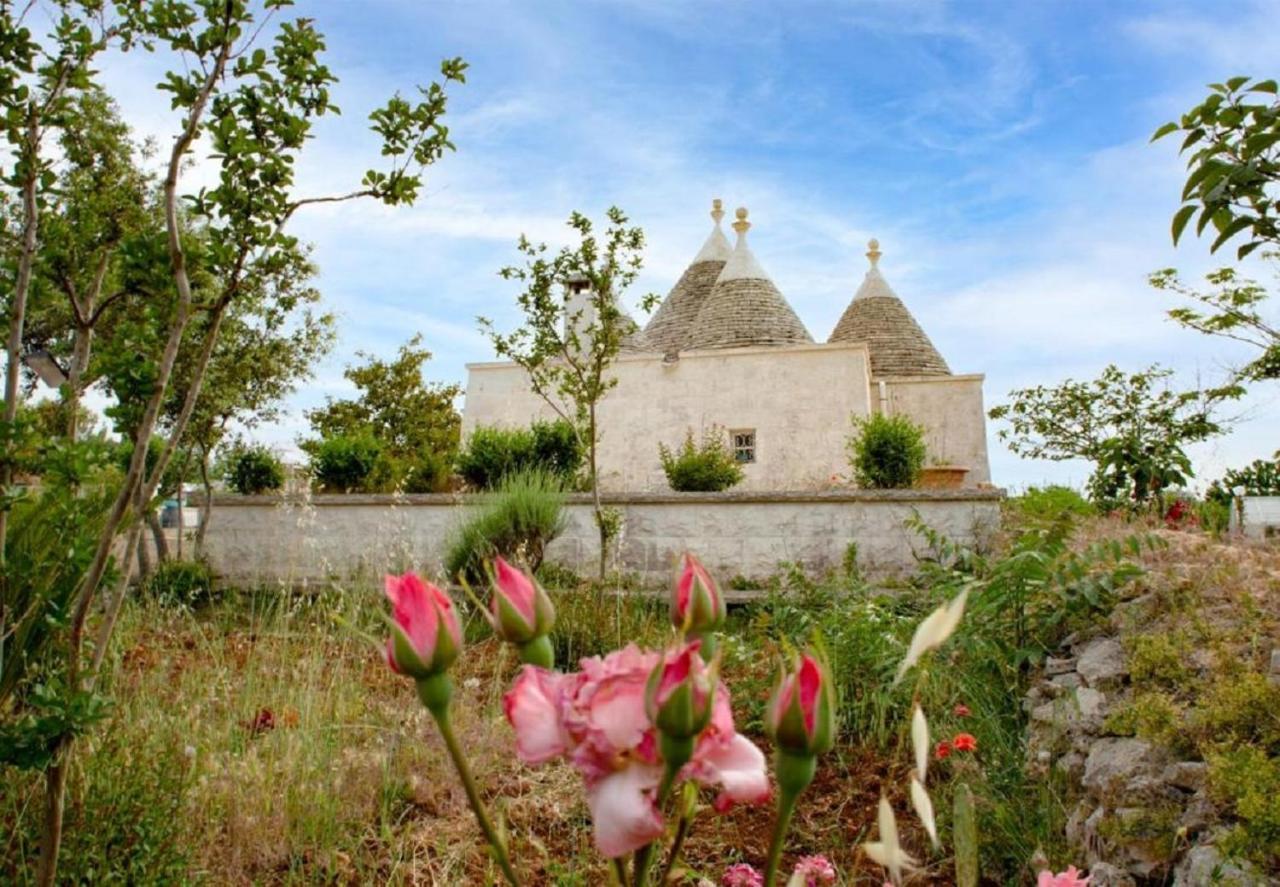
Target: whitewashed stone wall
column 799, row 399
column 263, row 539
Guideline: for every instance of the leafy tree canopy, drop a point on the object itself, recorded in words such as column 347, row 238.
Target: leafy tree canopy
column 408, row 415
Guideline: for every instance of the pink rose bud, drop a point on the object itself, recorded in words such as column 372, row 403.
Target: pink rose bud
column 802, row 713
column 697, row 607
column 679, row 693
column 425, row 635
column 521, row 609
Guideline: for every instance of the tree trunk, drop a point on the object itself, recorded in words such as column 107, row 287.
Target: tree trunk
column 157, row 534
column 595, row 498
column 55, row 793
column 206, row 507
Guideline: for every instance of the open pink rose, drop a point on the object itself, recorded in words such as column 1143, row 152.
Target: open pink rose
column 425, row 634
column 1069, row 878
column 597, row 719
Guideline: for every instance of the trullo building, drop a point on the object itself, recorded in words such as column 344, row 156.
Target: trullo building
column 726, row 351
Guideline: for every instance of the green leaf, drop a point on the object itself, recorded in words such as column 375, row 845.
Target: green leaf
column 1247, row 248
column 1231, row 230
column 1264, row 86
column 1236, row 82
column 1165, row 130
column 1180, row 220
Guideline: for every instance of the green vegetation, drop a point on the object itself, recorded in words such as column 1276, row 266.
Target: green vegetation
column 886, row 452
column 345, row 463
column 518, row 521
column 708, row 467
column 490, row 454
column 253, row 470
column 181, row 583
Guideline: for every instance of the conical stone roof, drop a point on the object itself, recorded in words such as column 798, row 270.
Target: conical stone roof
column 744, row 308
column 878, row 318
column 669, row 328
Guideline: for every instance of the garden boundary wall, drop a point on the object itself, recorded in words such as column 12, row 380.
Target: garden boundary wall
column 300, row 541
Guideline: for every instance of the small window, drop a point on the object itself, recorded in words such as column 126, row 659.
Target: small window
column 744, row 445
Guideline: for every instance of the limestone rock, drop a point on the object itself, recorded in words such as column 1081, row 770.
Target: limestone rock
column 1081, row 710
column 1205, row 866
column 1189, row 775
column 1117, row 766
column 1102, row 664
column 1104, row 874
column 1068, row 681
column 1054, row 666
column 1198, row 815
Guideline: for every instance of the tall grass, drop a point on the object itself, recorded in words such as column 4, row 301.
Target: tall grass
column 518, row 521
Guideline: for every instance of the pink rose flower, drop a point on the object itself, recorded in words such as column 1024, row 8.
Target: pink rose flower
column 521, row 610
column 697, row 606
column 741, row 875
column 597, row 719
column 801, row 714
column 1069, row 878
column 425, row 635
column 815, row 870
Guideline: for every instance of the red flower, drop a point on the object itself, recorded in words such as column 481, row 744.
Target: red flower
column 964, row 742
column 961, row 711
column 942, row 751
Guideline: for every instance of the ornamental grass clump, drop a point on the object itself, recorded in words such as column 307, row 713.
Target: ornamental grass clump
column 886, row 452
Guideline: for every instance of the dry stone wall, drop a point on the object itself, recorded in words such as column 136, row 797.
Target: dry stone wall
column 265, row 539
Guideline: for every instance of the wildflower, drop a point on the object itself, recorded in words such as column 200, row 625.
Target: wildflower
column 933, row 631
column 521, row 610
column 961, row 710
column 697, row 606
column 741, row 875
column 812, row 871
column 597, row 718
column 887, row 852
column 417, row 646
column 923, row 805
column 943, row 750
column 1069, row 878
column 964, row 742
column 801, row 715
column 920, row 741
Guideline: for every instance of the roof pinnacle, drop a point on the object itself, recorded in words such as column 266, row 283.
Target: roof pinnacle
column 873, row 252
column 741, row 225
column 717, row 212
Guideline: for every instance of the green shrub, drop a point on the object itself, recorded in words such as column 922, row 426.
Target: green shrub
column 344, row 464
column 517, row 521
column 708, row 467
column 181, row 583
column 1247, row 781
column 255, row 470
column 492, row 453
column 1259, row 478
column 430, row 473
column 886, row 452
column 1052, row 502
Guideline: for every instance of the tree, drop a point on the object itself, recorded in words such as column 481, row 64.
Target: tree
column 1233, row 183
column 270, row 340
column 1131, row 426
column 406, row 413
column 573, row 330
column 256, row 104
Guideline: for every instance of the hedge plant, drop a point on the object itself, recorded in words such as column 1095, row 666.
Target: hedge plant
column 255, row 470
column 886, row 452
column 706, row 467
column 492, row 453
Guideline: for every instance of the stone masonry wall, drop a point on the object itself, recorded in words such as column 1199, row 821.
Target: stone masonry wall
column 256, row 539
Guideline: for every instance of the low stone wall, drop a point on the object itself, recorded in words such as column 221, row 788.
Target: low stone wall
column 255, row 539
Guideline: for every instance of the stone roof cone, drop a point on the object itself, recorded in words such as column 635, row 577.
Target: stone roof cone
column 744, row 307
column 878, row 318
column 669, row 328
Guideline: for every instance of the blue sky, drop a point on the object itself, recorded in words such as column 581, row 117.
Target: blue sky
column 998, row 150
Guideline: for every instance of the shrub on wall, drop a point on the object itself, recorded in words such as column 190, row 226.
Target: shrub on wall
column 518, row 521
column 707, row 467
column 255, row 470
column 886, row 452
column 345, row 462
column 492, row 453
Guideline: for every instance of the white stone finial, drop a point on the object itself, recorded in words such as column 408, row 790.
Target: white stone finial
column 873, row 251
column 717, row 211
column 741, row 225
